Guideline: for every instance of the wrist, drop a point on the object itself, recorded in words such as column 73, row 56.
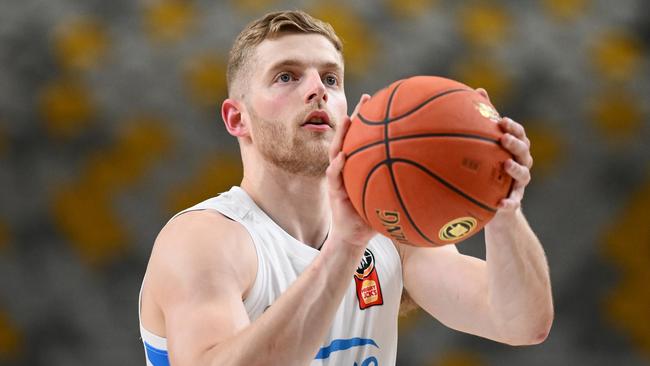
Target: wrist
column 343, row 246
column 337, row 262
column 504, row 219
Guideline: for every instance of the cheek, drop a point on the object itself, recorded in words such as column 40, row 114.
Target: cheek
column 338, row 105
column 264, row 106
column 271, row 107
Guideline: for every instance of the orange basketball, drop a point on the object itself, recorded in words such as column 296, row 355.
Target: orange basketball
column 424, row 162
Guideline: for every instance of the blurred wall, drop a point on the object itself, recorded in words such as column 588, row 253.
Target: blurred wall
column 109, row 124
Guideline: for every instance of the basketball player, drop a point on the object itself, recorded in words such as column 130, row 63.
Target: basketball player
column 282, row 270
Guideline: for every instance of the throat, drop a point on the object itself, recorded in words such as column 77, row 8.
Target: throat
column 299, row 206
column 324, row 240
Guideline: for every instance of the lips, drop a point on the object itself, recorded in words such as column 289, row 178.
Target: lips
column 317, row 118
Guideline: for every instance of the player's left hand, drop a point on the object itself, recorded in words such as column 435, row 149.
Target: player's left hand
column 517, row 143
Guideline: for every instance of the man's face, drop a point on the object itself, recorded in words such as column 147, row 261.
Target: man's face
column 296, row 100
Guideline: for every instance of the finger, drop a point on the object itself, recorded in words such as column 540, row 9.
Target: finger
column 518, row 148
column 517, row 193
column 333, row 173
column 364, row 98
column 337, row 142
column 518, row 172
column 483, row 92
column 514, row 128
column 509, row 204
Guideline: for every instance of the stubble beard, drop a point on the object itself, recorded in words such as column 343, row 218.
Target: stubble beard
column 300, row 152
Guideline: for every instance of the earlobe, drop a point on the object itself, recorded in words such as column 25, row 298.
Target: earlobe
column 231, row 113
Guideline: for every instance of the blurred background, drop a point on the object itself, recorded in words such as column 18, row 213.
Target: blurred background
column 109, row 124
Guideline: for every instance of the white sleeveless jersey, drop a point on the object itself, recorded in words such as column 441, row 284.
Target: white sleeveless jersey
column 364, row 329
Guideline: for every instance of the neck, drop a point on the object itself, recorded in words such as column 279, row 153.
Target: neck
column 298, row 204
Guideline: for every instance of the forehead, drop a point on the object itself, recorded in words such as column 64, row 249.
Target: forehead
column 308, row 49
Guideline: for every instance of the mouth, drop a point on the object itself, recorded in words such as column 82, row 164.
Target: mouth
column 318, row 119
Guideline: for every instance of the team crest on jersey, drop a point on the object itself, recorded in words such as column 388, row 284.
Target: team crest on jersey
column 367, row 282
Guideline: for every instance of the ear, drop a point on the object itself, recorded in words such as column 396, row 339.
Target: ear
column 231, row 113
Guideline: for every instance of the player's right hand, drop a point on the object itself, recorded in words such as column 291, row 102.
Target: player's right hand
column 347, row 225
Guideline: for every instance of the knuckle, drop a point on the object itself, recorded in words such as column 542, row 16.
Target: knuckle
column 521, row 146
column 520, row 173
column 508, row 140
column 520, row 129
column 522, row 143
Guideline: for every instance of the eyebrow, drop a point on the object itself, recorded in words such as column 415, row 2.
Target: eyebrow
column 293, row 63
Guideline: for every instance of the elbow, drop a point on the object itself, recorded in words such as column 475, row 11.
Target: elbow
column 539, row 335
column 536, row 333
column 543, row 328
column 527, row 330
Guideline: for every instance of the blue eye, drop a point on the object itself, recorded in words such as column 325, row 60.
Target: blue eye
column 284, row 77
column 331, row 80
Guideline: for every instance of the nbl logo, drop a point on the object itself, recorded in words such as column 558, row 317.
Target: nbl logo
column 366, row 266
column 367, row 282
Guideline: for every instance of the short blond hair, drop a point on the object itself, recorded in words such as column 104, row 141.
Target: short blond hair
column 273, row 25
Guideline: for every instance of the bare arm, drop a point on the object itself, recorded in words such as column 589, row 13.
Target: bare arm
column 519, row 286
column 505, row 298
column 199, row 287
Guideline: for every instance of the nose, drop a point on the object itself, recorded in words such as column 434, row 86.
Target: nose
column 315, row 89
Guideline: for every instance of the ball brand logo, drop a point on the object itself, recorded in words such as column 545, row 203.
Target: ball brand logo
column 487, row 111
column 457, row 228
column 390, row 220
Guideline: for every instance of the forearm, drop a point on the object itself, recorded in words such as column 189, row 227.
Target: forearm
column 293, row 328
column 519, row 289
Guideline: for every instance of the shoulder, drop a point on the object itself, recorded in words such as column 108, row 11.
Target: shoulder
column 202, row 248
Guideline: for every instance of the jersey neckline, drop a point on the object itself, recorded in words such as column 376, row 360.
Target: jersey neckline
column 294, row 246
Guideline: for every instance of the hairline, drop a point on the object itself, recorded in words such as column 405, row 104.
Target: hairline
column 250, row 58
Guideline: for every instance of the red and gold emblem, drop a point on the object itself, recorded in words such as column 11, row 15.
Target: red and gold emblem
column 367, row 282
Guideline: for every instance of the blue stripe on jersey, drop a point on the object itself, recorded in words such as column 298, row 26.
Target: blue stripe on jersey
column 157, row 357
column 342, row 345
